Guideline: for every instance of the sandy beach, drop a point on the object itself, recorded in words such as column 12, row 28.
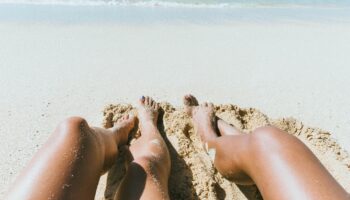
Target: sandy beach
column 49, row 71
column 193, row 175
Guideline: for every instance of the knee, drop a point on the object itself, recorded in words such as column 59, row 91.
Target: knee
column 268, row 138
column 72, row 126
column 73, row 123
column 267, row 132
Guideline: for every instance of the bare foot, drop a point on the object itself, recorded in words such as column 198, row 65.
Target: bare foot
column 204, row 121
column 203, row 118
column 225, row 128
column 122, row 128
column 114, row 138
column 147, row 111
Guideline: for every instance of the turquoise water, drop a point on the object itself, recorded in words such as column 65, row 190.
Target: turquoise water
column 174, row 11
column 195, row 3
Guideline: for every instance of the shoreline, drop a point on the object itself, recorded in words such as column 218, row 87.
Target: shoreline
column 140, row 15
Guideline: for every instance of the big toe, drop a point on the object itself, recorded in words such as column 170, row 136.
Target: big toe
column 190, row 102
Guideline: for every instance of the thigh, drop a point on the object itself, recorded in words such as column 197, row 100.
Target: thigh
column 284, row 168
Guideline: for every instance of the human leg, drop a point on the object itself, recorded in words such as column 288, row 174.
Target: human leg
column 70, row 163
column 279, row 164
column 148, row 173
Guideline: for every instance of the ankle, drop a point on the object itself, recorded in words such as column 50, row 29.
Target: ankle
column 148, row 124
column 207, row 135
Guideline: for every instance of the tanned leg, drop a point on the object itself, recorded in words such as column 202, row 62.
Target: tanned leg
column 148, row 173
column 71, row 162
column 279, row 164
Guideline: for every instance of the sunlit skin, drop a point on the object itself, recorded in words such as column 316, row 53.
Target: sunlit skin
column 279, row 164
column 71, row 162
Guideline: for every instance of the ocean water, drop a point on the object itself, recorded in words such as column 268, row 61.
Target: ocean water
column 174, row 11
column 195, row 3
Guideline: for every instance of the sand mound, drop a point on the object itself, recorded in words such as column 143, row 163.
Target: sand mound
column 192, row 173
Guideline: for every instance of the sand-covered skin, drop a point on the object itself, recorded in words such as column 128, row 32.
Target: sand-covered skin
column 193, row 175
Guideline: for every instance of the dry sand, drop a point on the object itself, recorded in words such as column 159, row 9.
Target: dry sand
column 52, row 71
column 193, row 175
